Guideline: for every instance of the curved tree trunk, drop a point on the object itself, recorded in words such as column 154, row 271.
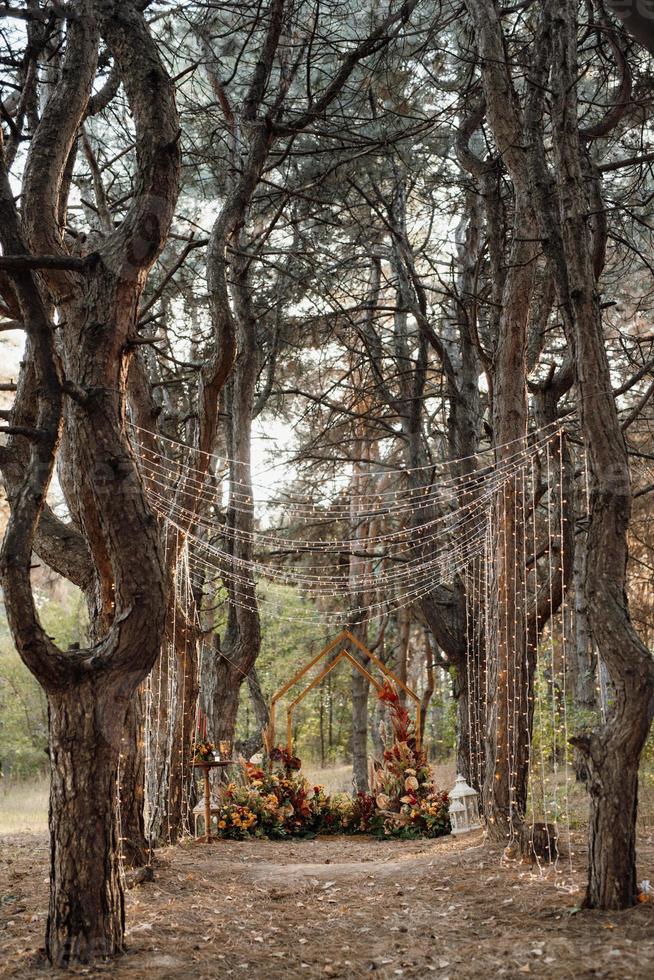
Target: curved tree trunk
column 610, row 754
column 89, row 689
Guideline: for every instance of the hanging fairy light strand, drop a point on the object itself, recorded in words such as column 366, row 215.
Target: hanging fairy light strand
column 528, row 521
column 181, row 476
column 414, row 556
column 431, row 468
column 445, row 525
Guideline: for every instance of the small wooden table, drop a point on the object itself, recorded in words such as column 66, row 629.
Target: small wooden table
column 206, row 767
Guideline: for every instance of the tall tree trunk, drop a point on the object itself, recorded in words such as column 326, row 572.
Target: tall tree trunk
column 611, row 753
column 89, row 689
column 510, row 668
column 360, row 529
column 86, row 918
column 242, row 639
column 330, row 716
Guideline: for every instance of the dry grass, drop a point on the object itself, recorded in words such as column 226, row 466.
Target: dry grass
column 24, row 806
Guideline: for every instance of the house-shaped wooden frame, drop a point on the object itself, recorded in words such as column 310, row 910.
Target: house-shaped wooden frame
column 344, row 637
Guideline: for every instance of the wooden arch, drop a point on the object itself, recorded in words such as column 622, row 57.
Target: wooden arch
column 343, row 637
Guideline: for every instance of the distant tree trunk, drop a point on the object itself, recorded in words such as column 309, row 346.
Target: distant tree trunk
column 242, row 638
column 134, row 845
column 321, row 723
column 360, row 529
column 378, row 745
column 583, row 661
column 405, row 640
column 330, row 716
column 187, row 681
column 428, row 690
column 360, row 691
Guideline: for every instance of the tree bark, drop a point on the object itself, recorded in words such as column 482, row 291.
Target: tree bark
column 460, row 694
column 242, row 638
column 360, row 692
column 134, row 845
column 360, row 530
column 234, row 325
column 611, row 753
column 609, row 756
column 86, row 919
column 254, row 743
column 181, row 763
column 404, row 616
column 583, row 666
column 89, row 689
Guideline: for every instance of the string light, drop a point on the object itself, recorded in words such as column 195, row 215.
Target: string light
column 509, row 621
column 415, row 537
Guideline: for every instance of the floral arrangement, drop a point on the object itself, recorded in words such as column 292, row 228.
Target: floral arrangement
column 290, row 763
column 408, row 803
column 268, row 803
column 277, row 801
column 204, row 751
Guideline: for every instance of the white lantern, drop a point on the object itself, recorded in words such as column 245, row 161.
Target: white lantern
column 464, row 810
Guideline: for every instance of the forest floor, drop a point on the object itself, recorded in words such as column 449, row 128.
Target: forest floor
column 342, row 907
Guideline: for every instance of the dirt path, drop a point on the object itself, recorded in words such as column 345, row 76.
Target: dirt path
column 341, row 907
